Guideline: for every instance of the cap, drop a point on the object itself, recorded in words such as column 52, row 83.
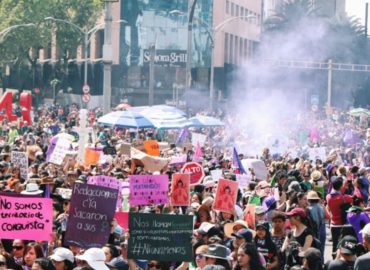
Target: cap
column 259, row 210
column 296, row 212
column 60, row 254
column 205, row 227
column 118, row 263
column 312, row 195
column 244, row 233
column 95, row 258
column 348, row 245
column 262, row 224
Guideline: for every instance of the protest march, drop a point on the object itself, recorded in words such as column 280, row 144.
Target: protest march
column 82, row 190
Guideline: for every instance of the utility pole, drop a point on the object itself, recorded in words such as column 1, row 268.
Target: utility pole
column 107, row 58
column 151, row 74
column 330, row 78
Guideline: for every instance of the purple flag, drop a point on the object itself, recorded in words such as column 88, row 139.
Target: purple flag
column 182, row 136
column 237, row 163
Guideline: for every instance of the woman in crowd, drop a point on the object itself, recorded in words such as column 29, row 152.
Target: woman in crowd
column 43, row 264
column 266, row 246
column 248, row 258
column 110, row 252
column 32, row 251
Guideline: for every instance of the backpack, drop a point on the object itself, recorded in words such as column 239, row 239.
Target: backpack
column 315, row 226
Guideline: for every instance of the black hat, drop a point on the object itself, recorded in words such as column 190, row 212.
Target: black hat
column 348, row 245
column 118, row 263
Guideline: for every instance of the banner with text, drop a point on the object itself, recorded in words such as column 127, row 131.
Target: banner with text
column 148, row 189
column 160, row 237
column 25, row 217
column 91, row 213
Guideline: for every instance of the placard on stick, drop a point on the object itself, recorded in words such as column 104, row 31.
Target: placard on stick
column 24, row 217
column 160, row 237
column 180, row 189
column 20, row 159
column 226, row 194
column 91, row 213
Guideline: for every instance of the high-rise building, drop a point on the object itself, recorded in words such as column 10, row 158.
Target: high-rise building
column 330, row 8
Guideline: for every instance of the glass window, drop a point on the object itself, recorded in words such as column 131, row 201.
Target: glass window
column 232, row 9
column 231, row 55
column 240, row 50
column 227, row 7
column 236, row 10
column 242, row 12
column 226, row 52
column 245, row 49
column 236, row 50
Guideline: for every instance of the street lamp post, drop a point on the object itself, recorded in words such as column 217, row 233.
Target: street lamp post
column 4, row 32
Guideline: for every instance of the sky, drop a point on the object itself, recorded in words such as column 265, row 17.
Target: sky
column 357, row 8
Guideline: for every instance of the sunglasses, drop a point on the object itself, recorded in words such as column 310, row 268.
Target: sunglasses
column 199, row 256
column 157, row 266
column 18, row 247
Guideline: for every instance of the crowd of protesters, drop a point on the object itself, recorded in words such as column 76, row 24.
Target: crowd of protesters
column 288, row 231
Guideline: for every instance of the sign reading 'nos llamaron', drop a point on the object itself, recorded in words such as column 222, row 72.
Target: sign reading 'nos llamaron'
column 160, row 237
column 176, row 58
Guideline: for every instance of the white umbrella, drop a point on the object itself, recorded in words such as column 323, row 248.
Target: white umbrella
column 165, row 119
column 125, row 119
column 359, row 112
column 205, row 121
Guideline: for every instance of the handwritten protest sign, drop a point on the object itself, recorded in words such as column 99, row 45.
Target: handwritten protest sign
column 160, row 237
column 243, row 180
column 258, row 167
column 216, row 174
column 62, row 148
column 148, row 189
column 226, row 194
column 90, row 216
column 24, row 217
column 125, row 149
column 317, row 153
column 152, row 147
column 20, row 159
column 66, row 193
column 107, row 181
column 180, row 189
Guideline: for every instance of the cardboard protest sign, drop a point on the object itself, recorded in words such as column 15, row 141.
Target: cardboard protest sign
column 198, row 138
column 250, row 215
column 92, row 156
column 243, row 180
column 258, row 167
column 152, row 148
column 66, row 193
column 216, row 174
column 122, row 219
column 25, row 217
column 160, row 237
column 148, row 189
column 107, row 181
column 90, row 216
column 62, row 147
column 125, row 149
column 180, row 189
column 151, row 163
column 317, row 153
column 20, row 159
column 226, row 194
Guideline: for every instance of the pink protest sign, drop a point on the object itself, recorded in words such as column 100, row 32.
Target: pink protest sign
column 109, row 182
column 180, row 189
column 27, row 218
column 226, row 194
column 148, row 189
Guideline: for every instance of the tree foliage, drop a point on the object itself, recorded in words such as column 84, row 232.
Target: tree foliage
column 15, row 45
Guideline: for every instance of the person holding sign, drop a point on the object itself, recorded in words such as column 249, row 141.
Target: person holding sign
column 180, row 191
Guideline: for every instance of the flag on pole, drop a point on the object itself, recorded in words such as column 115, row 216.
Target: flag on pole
column 238, row 166
column 184, row 133
column 47, row 191
column 198, row 153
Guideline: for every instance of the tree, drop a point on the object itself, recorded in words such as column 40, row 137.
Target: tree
column 19, row 48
